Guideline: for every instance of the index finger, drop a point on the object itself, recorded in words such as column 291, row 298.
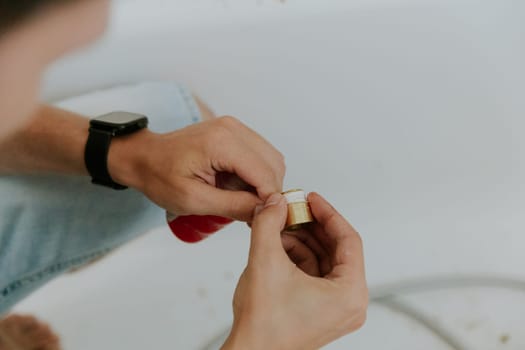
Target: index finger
column 341, row 240
column 234, row 156
column 259, row 144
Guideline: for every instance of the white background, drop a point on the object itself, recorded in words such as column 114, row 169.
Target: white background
column 407, row 115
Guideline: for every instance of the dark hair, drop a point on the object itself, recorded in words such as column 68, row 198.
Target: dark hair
column 12, row 12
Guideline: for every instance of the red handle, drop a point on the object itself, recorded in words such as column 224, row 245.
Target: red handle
column 194, row 228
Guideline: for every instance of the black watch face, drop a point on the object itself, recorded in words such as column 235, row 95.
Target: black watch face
column 118, row 118
column 120, row 121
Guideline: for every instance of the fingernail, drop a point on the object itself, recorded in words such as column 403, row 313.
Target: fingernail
column 274, row 199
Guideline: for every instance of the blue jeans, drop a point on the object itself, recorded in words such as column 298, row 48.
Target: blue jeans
column 50, row 223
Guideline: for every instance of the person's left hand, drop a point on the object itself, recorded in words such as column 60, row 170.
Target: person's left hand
column 181, row 170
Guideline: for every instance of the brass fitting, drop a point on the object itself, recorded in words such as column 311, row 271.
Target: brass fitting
column 299, row 213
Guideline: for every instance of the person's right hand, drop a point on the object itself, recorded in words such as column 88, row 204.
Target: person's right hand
column 181, row 171
column 303, row 290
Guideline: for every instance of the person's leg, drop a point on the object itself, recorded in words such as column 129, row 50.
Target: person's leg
column 206, row 114
column 51, row 224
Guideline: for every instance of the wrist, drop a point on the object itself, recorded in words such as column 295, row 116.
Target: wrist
column 242, row 338
column 127, row 157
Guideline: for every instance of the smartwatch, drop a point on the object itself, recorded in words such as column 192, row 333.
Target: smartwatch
column 101, row 131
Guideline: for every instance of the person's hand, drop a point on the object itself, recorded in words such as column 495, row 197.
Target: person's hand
column 300, row 290
column 182, row 171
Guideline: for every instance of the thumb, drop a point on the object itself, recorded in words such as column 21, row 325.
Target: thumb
column 267, row 226
column 209, row 200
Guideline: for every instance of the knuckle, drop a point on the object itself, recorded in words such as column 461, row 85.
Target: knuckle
column 283, row 170
column 282, row 163
column 356, row 236
column 282, row 157
column 359, row 240
column 217, row 135
column 229, row 122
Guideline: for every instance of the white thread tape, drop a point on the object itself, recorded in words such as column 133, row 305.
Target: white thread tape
column 295, row 197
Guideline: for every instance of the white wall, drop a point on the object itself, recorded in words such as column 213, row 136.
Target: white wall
column 409, row 116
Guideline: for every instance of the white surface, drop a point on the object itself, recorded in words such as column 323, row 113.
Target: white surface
column 412, row 109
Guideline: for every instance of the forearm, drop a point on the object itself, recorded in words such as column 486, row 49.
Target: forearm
column 176, row 170
column 53, row 142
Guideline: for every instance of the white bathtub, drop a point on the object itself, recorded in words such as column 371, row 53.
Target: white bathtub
column 408, row 115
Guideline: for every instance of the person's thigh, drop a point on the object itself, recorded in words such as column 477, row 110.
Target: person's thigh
column 50, row 224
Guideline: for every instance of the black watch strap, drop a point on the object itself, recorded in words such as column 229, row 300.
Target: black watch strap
column 96, row 158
